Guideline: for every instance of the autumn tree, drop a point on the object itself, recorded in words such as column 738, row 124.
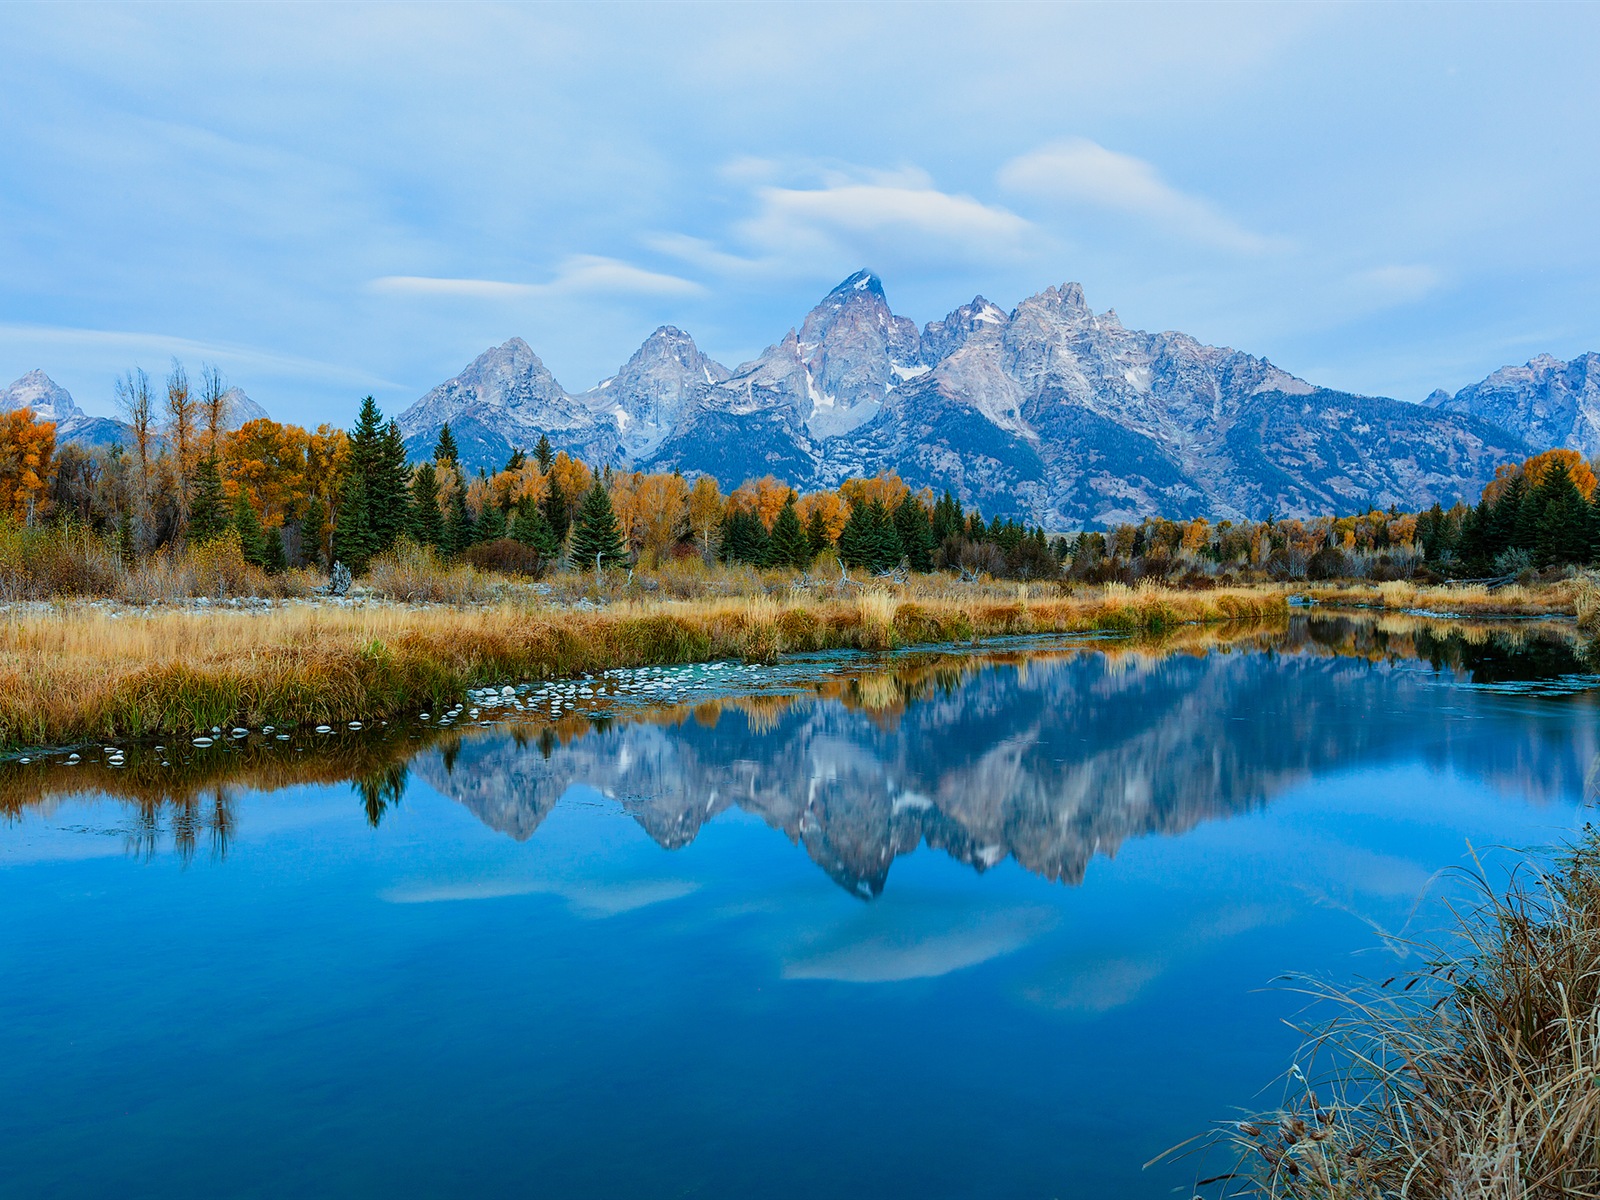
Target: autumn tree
column 707, row 506
column 828, row 507
column 213, row 408
column 662, row 503
column 26, row 447
column 765, row 497
column 181, row 428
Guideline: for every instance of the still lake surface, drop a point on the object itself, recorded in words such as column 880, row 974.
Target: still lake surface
column 937, row 925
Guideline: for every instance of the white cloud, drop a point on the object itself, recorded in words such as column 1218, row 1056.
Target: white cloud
column 580, row 275
column 840, row 218
column 916, row 938
column 1080, row 171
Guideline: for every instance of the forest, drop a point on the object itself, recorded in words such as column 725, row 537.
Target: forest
column 192, row 505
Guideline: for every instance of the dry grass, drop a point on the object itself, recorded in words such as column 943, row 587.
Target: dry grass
column 78, row 672
column 1477, row 1078
column 1542, row 599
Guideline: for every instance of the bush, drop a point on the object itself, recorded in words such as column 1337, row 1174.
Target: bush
column 507, row 557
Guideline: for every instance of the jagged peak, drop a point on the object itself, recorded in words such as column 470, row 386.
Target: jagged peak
column 862, row 281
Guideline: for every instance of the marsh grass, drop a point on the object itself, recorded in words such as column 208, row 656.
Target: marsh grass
column 1565, row 597
column 1476, row 1077
column 80, row 671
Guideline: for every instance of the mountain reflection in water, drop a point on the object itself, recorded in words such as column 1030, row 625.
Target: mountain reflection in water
column 1048, row 755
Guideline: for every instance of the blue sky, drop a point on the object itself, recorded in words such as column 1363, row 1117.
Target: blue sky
column 330, row 201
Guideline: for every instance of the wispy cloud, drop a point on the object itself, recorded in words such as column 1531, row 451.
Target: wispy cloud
column 1080, row 171
column 851, row 216
column 580, row 275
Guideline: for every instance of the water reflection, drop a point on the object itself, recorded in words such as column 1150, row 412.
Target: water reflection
column 1048, row 755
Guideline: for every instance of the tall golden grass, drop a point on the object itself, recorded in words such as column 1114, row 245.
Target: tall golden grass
column 1476, row 1078
column 1542, row 599
column 78, row 672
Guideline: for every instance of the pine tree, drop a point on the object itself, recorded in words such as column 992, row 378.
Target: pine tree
column 444, row 451
column 491, row 524
column 532, row 530
column 977, row 531
column 787, row 546
column 544, row 455
column 886, row 549
column 208, row 513
column 459, row 530
column 275, row 561
column 514, row 463
column 915, row 533
column 427, row 522
column 1507, row 510
column 816, row 533
column 596, row 538
column 947, row 518
column 252, row 539
column 1561, row 532
column 352, row 537
column 555, row 508
column 314, row 532
column 743, row 538
column 855, row 549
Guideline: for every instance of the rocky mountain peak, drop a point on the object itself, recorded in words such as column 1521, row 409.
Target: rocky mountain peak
column 47, row 398
column 647, row 396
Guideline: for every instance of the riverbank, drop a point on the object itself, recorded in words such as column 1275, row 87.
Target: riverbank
column 1575, row 597
column 1474, row 1076
column 83, row 671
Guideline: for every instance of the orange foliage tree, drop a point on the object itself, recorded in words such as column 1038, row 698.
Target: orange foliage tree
column 268, row 461
column 835, row 512
column 706, row 508
column 765, row 497
column 26, row 446
column 886, row 487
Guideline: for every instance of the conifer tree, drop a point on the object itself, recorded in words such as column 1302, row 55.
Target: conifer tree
column 787, row 546
column 514, row 463
column 816, row 533
column 427, row 522
column 532, row 530
column 208, row 513
column 947, row 518
column 252, row 538
column 915, row 533
column 352, row 537
column 1561, row 531
column 275, row 561
column 1507, row 510
column 389, row 490
column 555, row 508
column 459, row 529
column 743, row 538
column 596, row 538
column 314, row 532
column 444, row 451
column 491, row 524
column 544, row 455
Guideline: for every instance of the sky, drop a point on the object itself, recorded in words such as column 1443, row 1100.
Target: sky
column 331, row 201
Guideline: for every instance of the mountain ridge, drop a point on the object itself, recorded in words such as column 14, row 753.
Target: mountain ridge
column 1051, row 411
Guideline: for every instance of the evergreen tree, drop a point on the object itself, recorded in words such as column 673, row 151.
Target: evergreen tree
column 459, row 529
column 1472, row 546
column 208, row 513
column 743, row 538
column 545, row 456
column 555, row 508
column 816, row 533
column 444, row 451
column 314, row 532
column 977, row 531
column 276, row 562
column 915, row 533
column 514, row 463
column 947, row 518
column 252, row 538
column 1507, row 513
column 1561, row 531
column 491, row 524
column 388, row 490
column 869, row 539
column 427, row 522
column 352, row 537
column 595, row 534
column 787, row 546
column 532, row 530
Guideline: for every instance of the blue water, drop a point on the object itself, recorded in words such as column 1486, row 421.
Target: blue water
column 934, row 927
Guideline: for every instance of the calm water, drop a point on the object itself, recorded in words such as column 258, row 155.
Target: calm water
column 931, row 926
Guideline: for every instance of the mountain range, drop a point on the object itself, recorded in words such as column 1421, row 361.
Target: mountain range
column 1050, row 411
column 52, row 402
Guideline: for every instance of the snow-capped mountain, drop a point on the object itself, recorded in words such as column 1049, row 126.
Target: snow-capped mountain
column 1548, row 402
column 52, row 402
column 240, row 409
column 1050, row 411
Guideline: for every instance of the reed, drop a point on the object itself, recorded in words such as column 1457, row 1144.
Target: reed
column 1563, row 598
column 80, row 671
column 1477, row 1076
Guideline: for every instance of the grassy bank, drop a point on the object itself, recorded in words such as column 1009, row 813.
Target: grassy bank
column 77, row 672
column 1567, row 597
column 1475, row 1077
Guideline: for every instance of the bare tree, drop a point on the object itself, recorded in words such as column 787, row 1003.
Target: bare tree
column 180, row 429
column 213, row 405
column 133, row 398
